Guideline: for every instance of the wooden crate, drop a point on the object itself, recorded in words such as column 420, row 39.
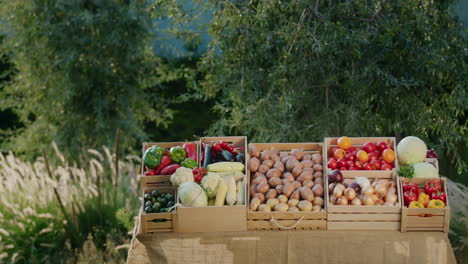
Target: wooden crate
column 364, row 217
column 214, row 218
column 286, row 220
column 358, row 142
column 425, row 219
column 152, row 181
column 147, row 223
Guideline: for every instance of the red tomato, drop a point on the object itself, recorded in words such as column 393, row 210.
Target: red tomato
column 386, row 167
column 350, row 157
column 350, row 150
column 343, row 168
column 378, row 152
column 341, row 162
column 375, row 165
column 352, row 168
column 369, row 147
column 332, row 151
column 349, row 163
column 388, row 155
column 367, row 166
column 373, row 156
column 339, row 153
column 362, row 156
column 358, row 165
column 381, row 146
column 332, row 164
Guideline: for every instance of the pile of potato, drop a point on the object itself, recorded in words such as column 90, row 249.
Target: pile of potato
column 285, row 181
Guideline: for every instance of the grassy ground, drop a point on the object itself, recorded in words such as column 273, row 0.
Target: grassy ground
column 85, row 214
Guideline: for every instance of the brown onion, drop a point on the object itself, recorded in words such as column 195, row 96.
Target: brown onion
column 356, row 201
column 342, row 201
column 350, row 194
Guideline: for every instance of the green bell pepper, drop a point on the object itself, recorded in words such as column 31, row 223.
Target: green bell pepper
column 189, row 163
column 152, row 157
column 177, row 154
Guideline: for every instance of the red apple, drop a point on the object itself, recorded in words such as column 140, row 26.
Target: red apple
column 358, row 165
column 373, row 156
column 341, row 162
column 375, row 164
column 332, row 164
column 350, row 157
column 350, row 150
column 349, row 163
column 367, row 166
column 381, row 146
column 386, row 167
column 369, row 147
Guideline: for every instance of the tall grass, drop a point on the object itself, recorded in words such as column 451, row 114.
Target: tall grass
column 91, row 209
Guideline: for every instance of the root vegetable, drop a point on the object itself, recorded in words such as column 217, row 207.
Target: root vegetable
column 318, row 174
column 317, row 190
column 381, row 189
column 273, row 182
column 253, row 151
column 293, row 202
column 260, row 196
column 271, row 194
column 264, row 208
column 391, row 197
column 288, row 189
column 389, row 204
column 281, row 207
column 258, row 174
column 263, row 168
column 318, row 167
column 337, row 192
column 306, row 193
column 254, row 163
column 346, row 182
column 391, row 190
column 279, row 189
column 285, row 159
column 307, row 163
column 295, row 195
column 355, row 186
column 262, row 187
column 265, row 155
column 342, row 201
column 356, row 201
column 332, row 199
column 308, row 170
column 291, row 164
column 259, row 179
column 368, row 200
column 275, row 158
column 253, row 189
column 282, row 199
column 307, row 157
column 272, row 202
column 254, row 203
column 368, row 190
column 317, row 158
column 297, row 153
column 331, row 187
column 287, row 176
column 318, row 201
column 297, row 170
column 316, row 208
column 268, row 163
column 308, row 183
column 293, row 209
column 350, row 194
column 279, row 165
column 318, row 181
column 305, row 176
column 273, row 173
column 305, row 206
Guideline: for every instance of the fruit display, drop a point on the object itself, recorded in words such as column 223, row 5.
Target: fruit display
column 370, row 156
column 285, row 180
column 161, row 161
column 412, row 155
column 361, row 190
column 219, row 152
column 158, row 202
column 429, row 195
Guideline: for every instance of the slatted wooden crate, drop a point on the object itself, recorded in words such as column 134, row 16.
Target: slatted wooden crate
column 149, row 222
column 425, row 219
column 286, row 220
column 364, row 217
column 359, row 142
column 152, row 181
column 214, row 218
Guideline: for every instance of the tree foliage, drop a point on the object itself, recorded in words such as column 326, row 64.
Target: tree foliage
column 304, row 70
column 84, row 68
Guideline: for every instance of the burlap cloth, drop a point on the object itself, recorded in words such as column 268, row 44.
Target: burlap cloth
column 291, row 247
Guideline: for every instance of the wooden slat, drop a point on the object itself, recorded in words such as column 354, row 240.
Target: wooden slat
column 306, row 146
column 363, row 217
column 304, row 224
column 155, row 216
column 159, row 230
column 212, row 219
column 363, row 226
column 425, row 229
column 286, row 215
column 160, row 225
column 378, row 209
column 434, row 221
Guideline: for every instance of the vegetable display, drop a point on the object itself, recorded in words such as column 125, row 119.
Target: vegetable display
column 412, row 154
column 369, row 156
column 285, row 181
column 160, row 161
column 221, row 151
column 158, row 202
column 429, row 196
column 362, row 191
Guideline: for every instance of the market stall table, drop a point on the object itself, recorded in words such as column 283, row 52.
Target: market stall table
column 292, row 247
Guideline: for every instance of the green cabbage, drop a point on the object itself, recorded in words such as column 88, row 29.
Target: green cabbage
column 411, row 150
column 425, row 170
column 191, row 195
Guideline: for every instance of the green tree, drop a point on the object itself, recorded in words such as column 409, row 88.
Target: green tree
column 84, row 68
column 303, row 70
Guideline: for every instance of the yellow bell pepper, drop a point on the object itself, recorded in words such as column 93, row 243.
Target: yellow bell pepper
column 416, row 204
column 436, row 204
column 424, row 199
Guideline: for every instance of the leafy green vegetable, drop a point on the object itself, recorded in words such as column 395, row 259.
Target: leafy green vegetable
column 406, row 171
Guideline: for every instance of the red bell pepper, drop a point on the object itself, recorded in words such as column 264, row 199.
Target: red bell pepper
column 170, row 169
column 409, row 196
column 191, row 151
column 432, row 186
column 151, row 172
column 198, row 178
column 410, row 186
column 439, row 196
column 217, row 147
column 199, row 171
column 165, row 161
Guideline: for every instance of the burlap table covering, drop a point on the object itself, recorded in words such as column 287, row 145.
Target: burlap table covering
column 291, row 247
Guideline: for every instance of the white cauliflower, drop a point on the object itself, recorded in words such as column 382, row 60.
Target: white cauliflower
column 210, row 184
column 181, row 175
